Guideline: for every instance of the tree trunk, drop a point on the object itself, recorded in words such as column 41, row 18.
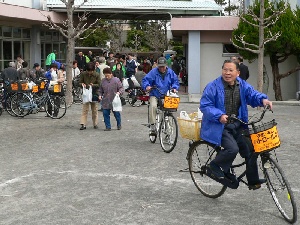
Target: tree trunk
column 276, row 77
column 260, row 76
column 69, row 59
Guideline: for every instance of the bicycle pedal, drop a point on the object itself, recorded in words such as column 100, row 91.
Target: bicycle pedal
column 231, row 183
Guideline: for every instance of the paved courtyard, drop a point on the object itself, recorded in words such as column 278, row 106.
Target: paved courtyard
column 53, row 173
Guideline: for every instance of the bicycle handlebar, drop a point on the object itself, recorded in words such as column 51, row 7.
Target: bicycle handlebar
column 233, row 117
column 154, row 87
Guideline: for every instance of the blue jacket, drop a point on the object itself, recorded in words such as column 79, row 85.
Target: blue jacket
column 212, row 105
column 154, row 78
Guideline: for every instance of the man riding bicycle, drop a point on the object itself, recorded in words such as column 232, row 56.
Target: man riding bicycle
column 164, row 79
column 227, row 95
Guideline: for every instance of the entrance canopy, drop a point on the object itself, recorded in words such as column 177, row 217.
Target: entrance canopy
column 142, row 9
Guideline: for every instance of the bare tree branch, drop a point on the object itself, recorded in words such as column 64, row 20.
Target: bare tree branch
column 54, row 26
column 272, row 37
column 77, row 7
column 244, row 43
column 253, row 15
column 245, row 48
column 253, row 24
column 297, row 68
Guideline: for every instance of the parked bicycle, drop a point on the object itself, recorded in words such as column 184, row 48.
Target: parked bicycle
column 165, row 122
column 6, row 94
column 263, row 139
column 76, row 90
column 32, row 101
column 137, row 97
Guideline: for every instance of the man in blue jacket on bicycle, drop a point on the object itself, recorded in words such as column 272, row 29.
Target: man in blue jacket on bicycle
column 227, row 95
column 164, row 79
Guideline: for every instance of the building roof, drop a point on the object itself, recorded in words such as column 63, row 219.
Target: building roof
column 24, row 16
column 181, row 26
column 142, row 9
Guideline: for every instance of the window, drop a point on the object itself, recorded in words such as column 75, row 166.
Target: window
column 229, row 48
column 16, row 32
column 26, row 33
column 48, row 36
column 7, row 32
column 55, row 36
column 42, row 35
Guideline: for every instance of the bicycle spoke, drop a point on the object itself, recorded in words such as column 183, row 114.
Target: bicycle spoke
column 168, row 133
column 280, row 190
column 199, row 155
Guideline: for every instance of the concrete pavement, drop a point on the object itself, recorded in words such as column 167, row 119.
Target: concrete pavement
column 53, row 173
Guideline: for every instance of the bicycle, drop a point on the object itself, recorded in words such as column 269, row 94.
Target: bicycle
column 165, row 122
column 263, row 139
column 137, row 97
column 76, row 90
column 6, row 94
column 28, row 102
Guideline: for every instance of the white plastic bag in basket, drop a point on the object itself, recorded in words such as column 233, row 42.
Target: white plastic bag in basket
column 184, row 115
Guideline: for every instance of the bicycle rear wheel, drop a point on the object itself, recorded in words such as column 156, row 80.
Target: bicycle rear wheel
column 168, row 133
column 56, row 107
column 8, row 105
column 280, row 189
column 199, row 156
column 21, row 104
column 134, row 101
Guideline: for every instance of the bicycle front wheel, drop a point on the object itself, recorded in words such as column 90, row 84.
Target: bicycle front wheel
column 168, row 133
column 199, row 156
column 280, row 189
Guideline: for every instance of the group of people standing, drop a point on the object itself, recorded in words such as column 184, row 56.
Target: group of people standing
column 20, row 70
column 106, row 74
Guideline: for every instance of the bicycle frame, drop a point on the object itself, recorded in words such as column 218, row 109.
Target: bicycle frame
column 264, row 139
column 165, row 126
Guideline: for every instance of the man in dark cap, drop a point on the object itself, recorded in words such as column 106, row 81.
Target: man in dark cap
column 37, row 72
column 164, row 79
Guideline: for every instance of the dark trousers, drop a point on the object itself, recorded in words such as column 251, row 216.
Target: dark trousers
column 56, row 102
column 233, row 142
column 106, row 115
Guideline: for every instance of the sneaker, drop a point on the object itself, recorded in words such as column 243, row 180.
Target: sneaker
column 95, row 127
column 214, row 170
column 257, row 185
column 107, row 129
column 82, row 127
column 119, row 127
